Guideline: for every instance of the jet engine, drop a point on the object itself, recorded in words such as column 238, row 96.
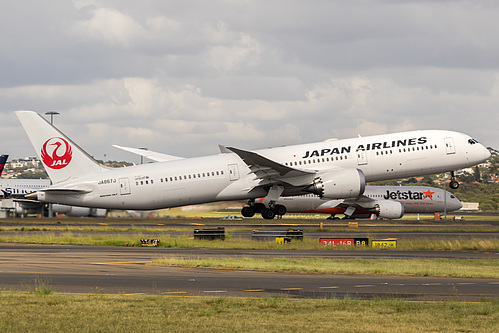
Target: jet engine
column 389, row 209
column 78, row 211
column 340, row 184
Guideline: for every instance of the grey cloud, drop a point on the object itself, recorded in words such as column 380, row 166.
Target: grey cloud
column 280, row 72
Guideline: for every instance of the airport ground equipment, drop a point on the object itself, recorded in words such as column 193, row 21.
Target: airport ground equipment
column 210, row 234
column 271, row 235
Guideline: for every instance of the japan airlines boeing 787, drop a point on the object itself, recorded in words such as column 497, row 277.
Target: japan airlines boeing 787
column 331, row 169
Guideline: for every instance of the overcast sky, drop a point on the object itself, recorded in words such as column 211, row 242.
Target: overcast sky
column 181, row 77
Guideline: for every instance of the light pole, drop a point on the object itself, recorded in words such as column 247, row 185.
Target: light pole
column 52, row 114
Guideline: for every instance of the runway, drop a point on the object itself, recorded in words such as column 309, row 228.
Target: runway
column 103, row 270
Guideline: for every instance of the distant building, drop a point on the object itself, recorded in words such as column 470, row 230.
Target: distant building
column 28, row 162
column 470, row 206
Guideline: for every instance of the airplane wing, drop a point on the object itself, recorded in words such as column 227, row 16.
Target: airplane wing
column 271, row 172
column 361, row 201
column 224, row 150
column 155, row 156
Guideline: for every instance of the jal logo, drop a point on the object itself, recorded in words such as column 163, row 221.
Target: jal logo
column 56, row 153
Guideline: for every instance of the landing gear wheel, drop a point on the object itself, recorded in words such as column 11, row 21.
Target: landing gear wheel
column 280, row 210
column 259, row 207
column 248, row 211
column 268, row 214
column 454, row 184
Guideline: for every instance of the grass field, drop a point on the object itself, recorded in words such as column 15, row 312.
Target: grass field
column 166, row 240
column 41, row 310
column 32, row 312
column 457, row 268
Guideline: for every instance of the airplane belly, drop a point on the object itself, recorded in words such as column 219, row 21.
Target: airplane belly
column 302, row 204
column 175, row 197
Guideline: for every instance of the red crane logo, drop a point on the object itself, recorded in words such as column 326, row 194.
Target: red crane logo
column 55, row 157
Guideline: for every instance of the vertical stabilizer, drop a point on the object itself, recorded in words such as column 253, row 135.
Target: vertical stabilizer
column 62, row 158
column 3, row 160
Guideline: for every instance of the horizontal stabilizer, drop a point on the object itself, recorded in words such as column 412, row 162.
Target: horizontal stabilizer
column 64, row 191
column 57, row 191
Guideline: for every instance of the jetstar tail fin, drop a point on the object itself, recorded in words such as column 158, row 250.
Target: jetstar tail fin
column 62, row 158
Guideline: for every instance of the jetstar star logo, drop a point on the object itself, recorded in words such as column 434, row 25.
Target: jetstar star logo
column 428, row 194
column 56, row 153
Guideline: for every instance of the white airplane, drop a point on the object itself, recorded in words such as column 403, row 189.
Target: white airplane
column 21, row 187
column 381, row 201
column 390, row 202
column 332, row 169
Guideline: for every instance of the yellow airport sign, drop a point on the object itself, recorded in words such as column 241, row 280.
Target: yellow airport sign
column 384, row 243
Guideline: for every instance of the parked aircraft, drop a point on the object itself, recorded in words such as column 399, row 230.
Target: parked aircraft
column 331, row 169
column 17, row 189
column 22, row 187
column 389, row 202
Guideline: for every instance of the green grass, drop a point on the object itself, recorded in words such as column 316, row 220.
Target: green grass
column 20, row 312
column 37, row 285
column 68, row 237
column 457, row 268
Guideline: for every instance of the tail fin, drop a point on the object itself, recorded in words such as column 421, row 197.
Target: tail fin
column 3, row 160
column 62, row 158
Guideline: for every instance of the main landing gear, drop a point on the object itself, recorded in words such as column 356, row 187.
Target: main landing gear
column 454, row 184
column 268, row 213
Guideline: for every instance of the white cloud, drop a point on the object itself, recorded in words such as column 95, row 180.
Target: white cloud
column 245, row 51
column 111, row 26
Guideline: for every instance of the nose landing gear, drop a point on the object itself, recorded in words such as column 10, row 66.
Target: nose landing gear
column 454, row 184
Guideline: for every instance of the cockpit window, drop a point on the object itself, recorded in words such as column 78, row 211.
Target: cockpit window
column 453, row 197
column 472, row 141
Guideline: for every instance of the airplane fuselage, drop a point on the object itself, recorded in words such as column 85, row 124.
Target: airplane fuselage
column 227, row 177
column 415, row 199
column 23, row 186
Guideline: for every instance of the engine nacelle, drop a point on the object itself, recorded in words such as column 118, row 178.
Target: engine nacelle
column 340, row 184
column 389, row 209
column 78, row 211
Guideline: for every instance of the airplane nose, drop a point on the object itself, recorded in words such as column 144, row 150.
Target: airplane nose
column 456, row 204
column 487, row 153
column 453, row 203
